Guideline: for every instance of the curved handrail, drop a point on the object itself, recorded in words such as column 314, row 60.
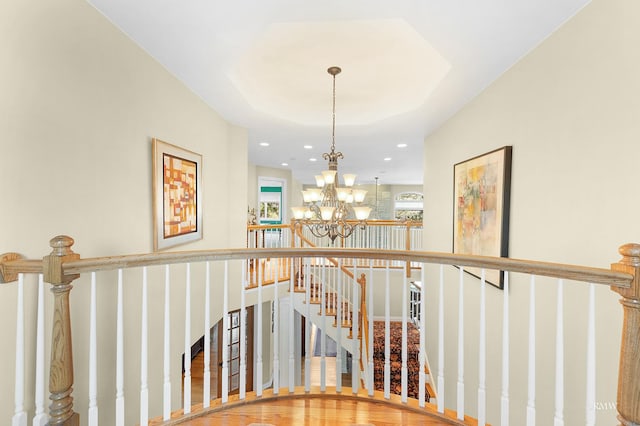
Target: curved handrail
column 558, row 270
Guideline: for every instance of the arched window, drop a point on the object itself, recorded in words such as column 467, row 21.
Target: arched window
column 408, row 206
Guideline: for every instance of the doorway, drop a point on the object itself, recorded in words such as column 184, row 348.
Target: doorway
column 232, row 345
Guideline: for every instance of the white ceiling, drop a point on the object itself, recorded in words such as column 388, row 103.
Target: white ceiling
column 407, row 66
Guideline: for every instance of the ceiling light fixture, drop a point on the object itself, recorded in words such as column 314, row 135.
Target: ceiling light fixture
column 330, row 209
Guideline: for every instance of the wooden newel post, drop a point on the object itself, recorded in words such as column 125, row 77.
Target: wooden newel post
column 629, row 372
column 61, row 369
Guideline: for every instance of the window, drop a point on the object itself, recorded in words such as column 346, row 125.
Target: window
column 409, row 206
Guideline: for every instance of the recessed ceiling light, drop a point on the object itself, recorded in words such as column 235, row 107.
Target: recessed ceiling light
column 402, row 145
column 387, row 159
column 264, row 143
column 308, row 147
column 313, row 159
column 284, row 164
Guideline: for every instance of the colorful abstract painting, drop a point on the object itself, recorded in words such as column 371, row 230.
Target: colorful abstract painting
column 481, row 207
column 180, row 202
column 177, row 195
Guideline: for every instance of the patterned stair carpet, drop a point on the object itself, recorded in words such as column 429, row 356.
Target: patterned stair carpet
column 395, row 358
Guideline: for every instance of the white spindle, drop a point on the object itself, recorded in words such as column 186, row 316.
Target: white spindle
column 93, row 409
column 440, row 392
column 119, row 355
column 307, row 328
column 206, row 374
column 276, row 335
column 323, row 321
column 259, row 338
column 166, row 391
column 504, row 398
column 339, row 334
column 531, row 392
column 144, row 388
column 355, row 348
column 40, row 418
column 404, row 370
column 482, row 355
column 186, row 405
column 225, row 335
column 291, row 328
column 371, row 313
column 460, row 384
column 387, row 350
column 19, row 415
column 243, row 334
column 558, row 419
column 422, row 354
column 591, row 359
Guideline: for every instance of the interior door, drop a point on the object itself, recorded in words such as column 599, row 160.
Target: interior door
column 232, row 345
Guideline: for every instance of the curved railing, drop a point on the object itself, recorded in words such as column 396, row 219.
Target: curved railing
column 63, row 266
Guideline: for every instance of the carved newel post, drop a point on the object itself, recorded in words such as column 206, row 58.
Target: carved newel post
column 629, row 373
column 61, row 369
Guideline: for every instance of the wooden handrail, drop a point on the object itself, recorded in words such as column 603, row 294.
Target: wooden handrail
column 558, row 270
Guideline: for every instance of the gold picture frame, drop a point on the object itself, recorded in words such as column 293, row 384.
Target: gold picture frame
column 482, row 193
column 177, row 195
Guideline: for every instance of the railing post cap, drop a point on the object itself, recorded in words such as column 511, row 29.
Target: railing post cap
column 630, row 254
column 61, row 245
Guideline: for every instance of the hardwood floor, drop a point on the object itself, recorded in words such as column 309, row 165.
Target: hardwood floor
column 320, row 409
column 325, row 410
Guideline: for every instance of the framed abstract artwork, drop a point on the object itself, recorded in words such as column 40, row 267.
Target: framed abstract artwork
column 482, row 187
column 177, row 195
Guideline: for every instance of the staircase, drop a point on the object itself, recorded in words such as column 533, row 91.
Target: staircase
column 309, row 302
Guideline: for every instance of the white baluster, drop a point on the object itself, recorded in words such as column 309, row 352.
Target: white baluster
column 558, row 419
column 423, row 343
column 243, row 334
column 225, row 334
column 339, row 334
column 323, row 321
column 591, row 359
column 404, row 370
column 276, row 335
column 531, row 392
column 482, row 355
column 166, row 391
column 206, row 374
column 144, row 388
column 355, row 348
column 119, row 355
column 460, row 387
column 186, row 405
column 259, row 337
column 40, row 418
column 504, row 398
column 20, row 415
column 291, row 329
column 370, row 311
column 387, row 343
column 440, row 399
column 307, row 328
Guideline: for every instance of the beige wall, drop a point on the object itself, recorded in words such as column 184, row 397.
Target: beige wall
column 79, row 105
column 570, row 109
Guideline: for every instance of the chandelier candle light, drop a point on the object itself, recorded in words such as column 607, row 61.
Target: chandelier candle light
column 331, row 209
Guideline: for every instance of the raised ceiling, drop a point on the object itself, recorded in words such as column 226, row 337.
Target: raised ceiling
column 407, row 66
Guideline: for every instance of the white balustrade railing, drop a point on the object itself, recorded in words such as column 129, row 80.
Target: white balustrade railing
column 317, row 279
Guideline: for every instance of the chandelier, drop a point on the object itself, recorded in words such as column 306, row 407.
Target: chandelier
column 331, row 210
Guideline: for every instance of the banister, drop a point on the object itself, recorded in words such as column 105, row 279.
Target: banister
column 558, row 270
